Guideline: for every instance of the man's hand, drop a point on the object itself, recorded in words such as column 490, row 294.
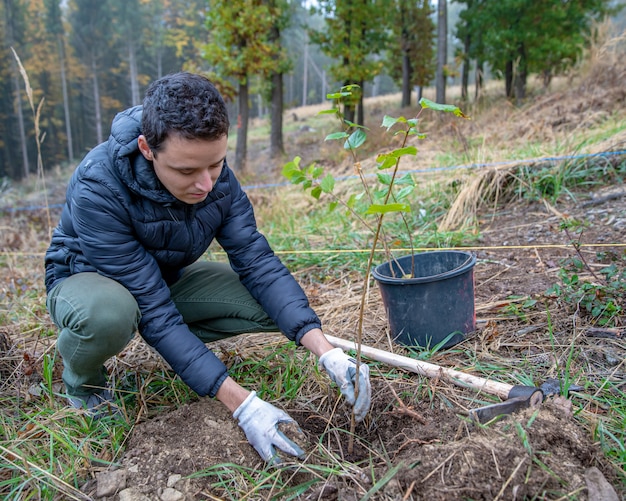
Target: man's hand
column 342, row 370
column 259, row 420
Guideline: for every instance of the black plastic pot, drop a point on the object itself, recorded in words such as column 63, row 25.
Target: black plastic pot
column 436, row 303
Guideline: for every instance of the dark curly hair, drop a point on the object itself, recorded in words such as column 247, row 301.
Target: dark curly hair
column 183, row 104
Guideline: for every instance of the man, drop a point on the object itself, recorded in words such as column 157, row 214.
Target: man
column 141, row 209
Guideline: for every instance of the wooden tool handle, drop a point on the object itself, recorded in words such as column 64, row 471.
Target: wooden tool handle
column 427, row 369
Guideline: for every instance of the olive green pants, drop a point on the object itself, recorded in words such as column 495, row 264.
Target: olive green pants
column 97, row 317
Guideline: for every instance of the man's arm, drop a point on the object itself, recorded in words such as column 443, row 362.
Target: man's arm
column 259, row 420
column 232, row 395
column 316, row 342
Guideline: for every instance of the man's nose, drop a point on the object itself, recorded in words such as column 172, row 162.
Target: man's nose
column 205, row 181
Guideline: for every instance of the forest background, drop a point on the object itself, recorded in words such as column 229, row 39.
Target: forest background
column 86, row 60
column 548, row 232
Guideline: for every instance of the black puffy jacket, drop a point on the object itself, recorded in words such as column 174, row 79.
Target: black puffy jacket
column 119, row 221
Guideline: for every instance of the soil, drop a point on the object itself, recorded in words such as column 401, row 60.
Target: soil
column 417, row 441
column 425, row 448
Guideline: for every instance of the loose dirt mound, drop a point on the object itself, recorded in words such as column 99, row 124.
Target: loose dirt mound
column 417, row 442
column 535, row 454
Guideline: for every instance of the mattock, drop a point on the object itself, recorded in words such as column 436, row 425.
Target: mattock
column 515, row 397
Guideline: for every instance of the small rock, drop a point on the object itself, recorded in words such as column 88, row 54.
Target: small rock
column 170, row 494
column 598, row 489
column 563, row 405
column 173, row 479
column 110, row 482
column 132, row 494
column 612, row 358
column 211, row 423
column 326, row 492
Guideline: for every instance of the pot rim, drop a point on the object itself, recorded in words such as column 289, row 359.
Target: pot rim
column 462, row 268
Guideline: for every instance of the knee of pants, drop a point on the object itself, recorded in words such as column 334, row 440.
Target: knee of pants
column 113, row 317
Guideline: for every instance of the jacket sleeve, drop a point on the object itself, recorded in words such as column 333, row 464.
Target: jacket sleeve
column 105, row 234
column 261, row 271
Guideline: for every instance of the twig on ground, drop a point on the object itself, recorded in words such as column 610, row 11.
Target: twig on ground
column 605, row 332
column 508, row 480
column 576, row 245
column 402, row 407
column 409, row 491
column 441, row 465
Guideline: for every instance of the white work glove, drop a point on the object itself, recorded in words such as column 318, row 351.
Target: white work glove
column 342, row 370
column 259, row 420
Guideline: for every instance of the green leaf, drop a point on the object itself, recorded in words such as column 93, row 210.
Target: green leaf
column 356, row 139
column 406, row 179
column 327, row 112
column 351, row 201
column 409, row 150
column 328, row 184
column 386, row 161
column 290, row 168
column 298, row 178
column 338, row 95
column 448, row 108
column 404, row 192
column 354, row 125
column 389, row 122
column 292, row 172
column 336, row 135
column 415, row 132
column 317, row 172
column 348, row 88
column 316, row 192
column 384, row 178
column 386, row 208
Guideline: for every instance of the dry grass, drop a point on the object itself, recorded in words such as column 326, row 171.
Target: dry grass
column 585, row 101
column 27, row 337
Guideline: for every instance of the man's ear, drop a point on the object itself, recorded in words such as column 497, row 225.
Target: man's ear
column 144, row 148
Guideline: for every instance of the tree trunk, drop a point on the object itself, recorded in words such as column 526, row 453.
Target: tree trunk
column 276, row 135
column 361, row 109
column 349, row 112
column 478, row 84
column 96, row 99
column 349, row 107
column 241, row 151
column 17, row 96
column 132, row 69
column 19, row 114
column 442, row 50
column 406, row 79
column 466, row 68
column 66, row 103
column 305, row 70
column 520, row 75
column 508, row 79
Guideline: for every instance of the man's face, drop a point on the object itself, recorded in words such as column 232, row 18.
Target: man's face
column 188, row 168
